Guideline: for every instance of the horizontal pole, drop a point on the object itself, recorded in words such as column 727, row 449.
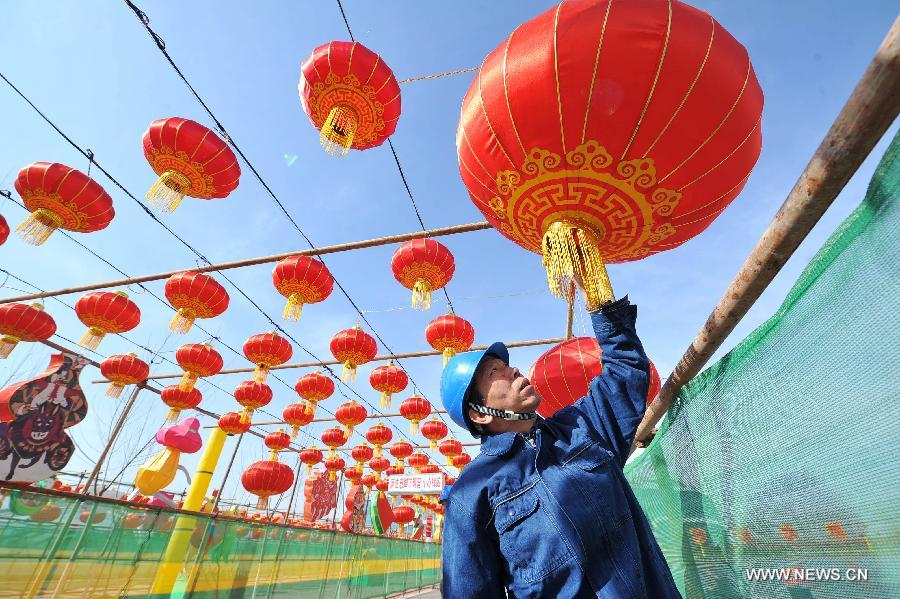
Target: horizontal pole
column 369, row 417
column 331, row 249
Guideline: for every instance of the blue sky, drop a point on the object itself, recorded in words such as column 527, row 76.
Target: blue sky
column 93, row 70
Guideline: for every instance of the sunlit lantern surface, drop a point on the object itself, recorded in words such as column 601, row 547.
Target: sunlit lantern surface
column 314, row 387
column 388, row 379
column 197, row 360
column 302, row 280
column 194, row 295
column 122, row 370
column 353, row 347
column 23, row 322
column 450, row 334
column 267, row 350
column 422, row 266
column 105, row 312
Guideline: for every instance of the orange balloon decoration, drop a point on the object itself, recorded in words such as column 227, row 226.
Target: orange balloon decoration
column 177, row 399
column 23, row 322
column 388, row 379
column 450, row 334
column 350, row 95
column 197, row 360
column 194, row 295
column 190, row 160
column 434, row 430
column 379, row 436
column 302, row 280
column 267, row 350
column 415, row 409
column 353, row 347
column 105, row 312
column 350, row 414
column 60, row 197
column 314, row 387
column 423, row 266
column 603, row 132
column 122, row 370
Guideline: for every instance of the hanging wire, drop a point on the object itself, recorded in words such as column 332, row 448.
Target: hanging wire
column 439, row 75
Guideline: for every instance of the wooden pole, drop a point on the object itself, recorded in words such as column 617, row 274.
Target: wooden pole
column 868, row 113
column 112, row 439
column 331, row 249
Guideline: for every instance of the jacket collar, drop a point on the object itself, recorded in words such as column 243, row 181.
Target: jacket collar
column 498, row 444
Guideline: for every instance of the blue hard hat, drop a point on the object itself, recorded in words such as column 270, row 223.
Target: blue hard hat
column 457, row 379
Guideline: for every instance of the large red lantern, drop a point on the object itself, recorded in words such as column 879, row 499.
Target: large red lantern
column 350, row 95
column 232, row 423
column 190, row 160
column 415, row 409
column 302, row 280
column 60, row 197
column 388, row 379
column 105, row 312
column 562, row 375
column 423, row 266
column 450, row 334
column 122, row 370
column 252, row 395
column 379, row 436
column 297, row 415
column 310, row 456
column 194, row 295
column 434, row 430
column 334, row 437
column 334, row 464
column 449, row 448
column 314, row 387
column 197, row 360
column 353, row 347
column 602, row 132
column 394, row 470
column 178, row 399
column 267, row 350
column 267, row 478
column 350, row 414
column 23, row 322
column 403, row 515
column 401, row 450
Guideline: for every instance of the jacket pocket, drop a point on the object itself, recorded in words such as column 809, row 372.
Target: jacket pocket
column 595, row 471
column 590, row 456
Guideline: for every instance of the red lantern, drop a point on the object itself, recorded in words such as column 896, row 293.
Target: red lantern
column 415, row 409
column 379, row 464
column 655, row 384
column 381, row 484
column 403, row 515
column 277, row 441
column 105, row 312
column 434, row 431
column 122, row 370
column 350, row 95
column 267, row 478
column 424, row 266
column 362, row 454
column 394, row 470
column 562, row 375
column 462, row 460
column 388, row 379
column 267, row 350
column 401, row 450
column 252, row 395
column 350, row 414
column 197, row 359
column 190, row 160
column 23, row 322
column 379, row 435
column 302, row 280
column 194, row 295
column 449, row 480
column 601, row 132
column 353, row 474
column 368, row 480
column 353, row 347
column 450, row 448
column 334, row 464
column 4, row 230
column 450, row 334
column 310, row 456
column 430, row 469
column 314, row 387
column 297, row 415
column 60, row 197
column 418, row 461
column 178, row 399
column 333, row 437
column 232, row 423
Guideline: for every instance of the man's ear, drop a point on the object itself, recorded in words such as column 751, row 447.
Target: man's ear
column 479, row 418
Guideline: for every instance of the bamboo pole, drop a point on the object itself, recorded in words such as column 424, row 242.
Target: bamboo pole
column 112, row 439
column 868, row 113
column 331, row 249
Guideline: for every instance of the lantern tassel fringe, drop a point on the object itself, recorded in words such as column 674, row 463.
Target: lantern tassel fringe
column 92, row 338
column 294, row 307
column 385, row 399
column 448, row 353
column 115, row 390
column 168, row 191
column 188, row 380
column 39, row 225
column 570, row 251
column 182, row 321
column 261, row 373
column 338, row 131
column 421, row 295
column 173, row 415
column 348, row 373
column 7, row 344
column 414, row 427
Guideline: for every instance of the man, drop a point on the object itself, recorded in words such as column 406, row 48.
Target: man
column 545, row 510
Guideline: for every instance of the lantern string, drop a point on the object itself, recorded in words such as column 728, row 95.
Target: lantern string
column 439, row 75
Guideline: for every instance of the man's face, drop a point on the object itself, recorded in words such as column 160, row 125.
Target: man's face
column 504, row 387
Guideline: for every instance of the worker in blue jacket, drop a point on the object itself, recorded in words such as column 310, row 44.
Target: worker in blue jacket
column 544, row 510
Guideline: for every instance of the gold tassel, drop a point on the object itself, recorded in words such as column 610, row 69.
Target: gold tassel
column 182, row 321
column 115, row 390
column 168, row 191
column 414, row 427
column 349, row 430
column 377, row 452
column 432, row 444
column 187, row 381
column 421, row 295
column 39, row 225
column 348, row 373
column 448, row 353
column 570, row 250
column 262, row 503
column 331, row 475
column 92, row 338
column 261, row 373
column 385, row 399
column 294, row 307
column 7, row 344
column 338, row 131
column 246, row 414
column 173, row 415
column 295, row 430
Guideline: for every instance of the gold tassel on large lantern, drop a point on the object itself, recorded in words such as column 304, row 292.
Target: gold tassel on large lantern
column 571, row 252
column 35, row 229
column 168, row 191
column 338, row 131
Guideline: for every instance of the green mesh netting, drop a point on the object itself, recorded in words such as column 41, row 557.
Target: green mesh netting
column 784, row 454
column 102, row 550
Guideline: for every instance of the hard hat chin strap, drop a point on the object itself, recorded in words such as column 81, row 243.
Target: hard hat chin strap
column 503, row 413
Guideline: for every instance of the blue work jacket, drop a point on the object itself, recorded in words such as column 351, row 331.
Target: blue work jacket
column 552, row 515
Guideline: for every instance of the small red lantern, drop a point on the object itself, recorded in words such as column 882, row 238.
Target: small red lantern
column 362, row 454
column 379, row 435
column 418, row 461
column 302, row 280
column 267, row 350
column 424, row 266
column 415, row 409
column 314, row 387
column 450, row 448
column 353, row 474
column 368, row 480
column 403, row 515
column 252, row 395
column 105, row 312
column 450, row 334
column 353, row 347
column 194, row 295
column 310, row 456
column 388, row 379
column 350, row 95
column 379, row 464
column 381, row 484
column 277, row 441
column 190, row 160
column 434, row 430
column 449, row 480
column 333, row 437
column 23, row 322
column 401, row 450
column 197, row 360
column 4, row 230
column 267, row 478
column 334, row 464
column 60, row 197
column 122, row 370
column 178, row 399
column 394, row 470
column 297, row 415
column 232, row 423
column 462, row 460
column 430, row 469
column 350, row 414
